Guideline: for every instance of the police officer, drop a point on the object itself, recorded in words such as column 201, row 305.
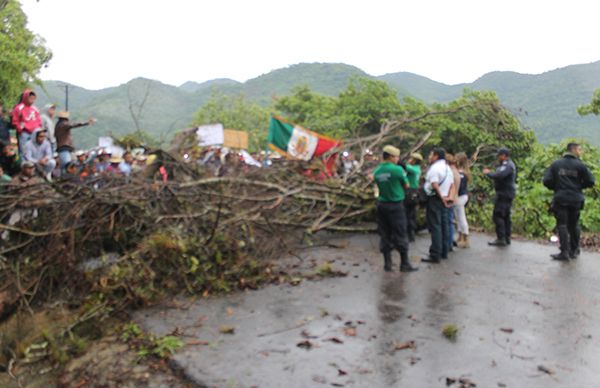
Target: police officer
column 391, row 215
column 567, row 177
column 504, row 182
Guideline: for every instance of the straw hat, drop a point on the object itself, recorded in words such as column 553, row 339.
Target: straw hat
column 63, row 114
column 116, row 159
column 390, row 149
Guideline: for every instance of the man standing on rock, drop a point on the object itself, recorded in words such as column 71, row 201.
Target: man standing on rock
column 438, row 186
column 568, row 176
column 505, row 184
column 64, row 140
column 391, row 215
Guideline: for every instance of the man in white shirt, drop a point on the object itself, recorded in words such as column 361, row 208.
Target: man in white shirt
column 438, row 185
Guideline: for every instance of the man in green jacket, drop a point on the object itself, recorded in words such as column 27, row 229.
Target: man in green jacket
column 413, row 171
column 391, row 215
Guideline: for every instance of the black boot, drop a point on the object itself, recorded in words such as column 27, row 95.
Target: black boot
column 405, row 264
column 430, row 259
column 499, row 242
column 387, row 262
column 562, row 256
column 575, row 253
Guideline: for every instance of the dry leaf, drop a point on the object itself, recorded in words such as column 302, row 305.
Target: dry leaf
column 226, row 329
column 405, row 345
column 305, row 345
column 350, row 331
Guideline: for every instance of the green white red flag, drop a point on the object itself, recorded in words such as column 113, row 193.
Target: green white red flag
column 296, row 142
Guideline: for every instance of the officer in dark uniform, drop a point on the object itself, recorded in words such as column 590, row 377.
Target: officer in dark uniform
column 391, row 215
column 505, row 184
column 567, row 177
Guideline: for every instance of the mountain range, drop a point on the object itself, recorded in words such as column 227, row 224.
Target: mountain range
column 546, row 103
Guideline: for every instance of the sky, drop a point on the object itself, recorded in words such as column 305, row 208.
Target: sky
column 102, row 43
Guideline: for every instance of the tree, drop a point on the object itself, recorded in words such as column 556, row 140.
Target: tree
column 593, row 107
column 236, row 112
column 366, row 104
column 23, row 52
column 311, row 110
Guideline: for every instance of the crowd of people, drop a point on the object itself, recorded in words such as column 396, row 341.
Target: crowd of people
column 42, row 148
column 444, row 191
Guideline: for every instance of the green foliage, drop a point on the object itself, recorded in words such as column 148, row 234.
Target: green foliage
column 236, row 112
column 366, row 104
column 450, row 331
column 593, row 107
column 22, row 52
column 160, row 347
column 131, row 331
column 310, row 109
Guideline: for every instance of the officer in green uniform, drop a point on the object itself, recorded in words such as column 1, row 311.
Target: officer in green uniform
column 391, row 215
column 413, row 171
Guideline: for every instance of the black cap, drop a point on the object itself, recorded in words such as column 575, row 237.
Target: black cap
column 503, row 151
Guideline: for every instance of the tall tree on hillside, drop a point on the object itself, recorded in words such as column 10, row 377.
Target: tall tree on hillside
column 22, row 53
column 593, row 107
column 366, row 104
column 236, row 112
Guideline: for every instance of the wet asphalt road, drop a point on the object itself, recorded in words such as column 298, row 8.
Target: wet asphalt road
column 523, row 321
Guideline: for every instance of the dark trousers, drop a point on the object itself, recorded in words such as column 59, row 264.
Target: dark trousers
column 567, row 224
column 437, row 222
column 450, row 213
column 391, row 223
column 411, row 220
column 502, row 218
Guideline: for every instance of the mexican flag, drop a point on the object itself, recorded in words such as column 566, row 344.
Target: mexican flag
column 296, row 142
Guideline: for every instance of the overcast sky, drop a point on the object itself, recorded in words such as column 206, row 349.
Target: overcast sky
column 101, row 43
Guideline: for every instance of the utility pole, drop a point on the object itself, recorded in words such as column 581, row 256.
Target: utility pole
column 67, row 98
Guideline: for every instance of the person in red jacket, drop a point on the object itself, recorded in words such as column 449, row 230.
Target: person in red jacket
column 26, row 118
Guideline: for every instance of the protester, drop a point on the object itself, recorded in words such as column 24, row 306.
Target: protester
column 567, row 177
column 505, row 184
column 462, row 225
column 26, row 176
column 26, row 118
column 125, row 167
column 451, row 160
column 391, row 215
column 71, row 173
column 413, row 172
column 39, row 151
column 64, row 139
column 57, row 172
column 48, row 123
column 81, row 158
column 139, row 164
column 103, row 161
column 4, row 127
column 115, row 162
column 9, row 160
column 438, row 185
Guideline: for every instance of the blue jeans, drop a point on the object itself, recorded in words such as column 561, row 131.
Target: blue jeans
column 64, row 157
column 23, row 138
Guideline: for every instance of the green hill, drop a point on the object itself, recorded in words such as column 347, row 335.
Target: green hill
column 546, row 102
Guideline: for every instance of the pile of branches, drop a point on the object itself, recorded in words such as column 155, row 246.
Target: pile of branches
column 196, row 231
column 123, row 242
